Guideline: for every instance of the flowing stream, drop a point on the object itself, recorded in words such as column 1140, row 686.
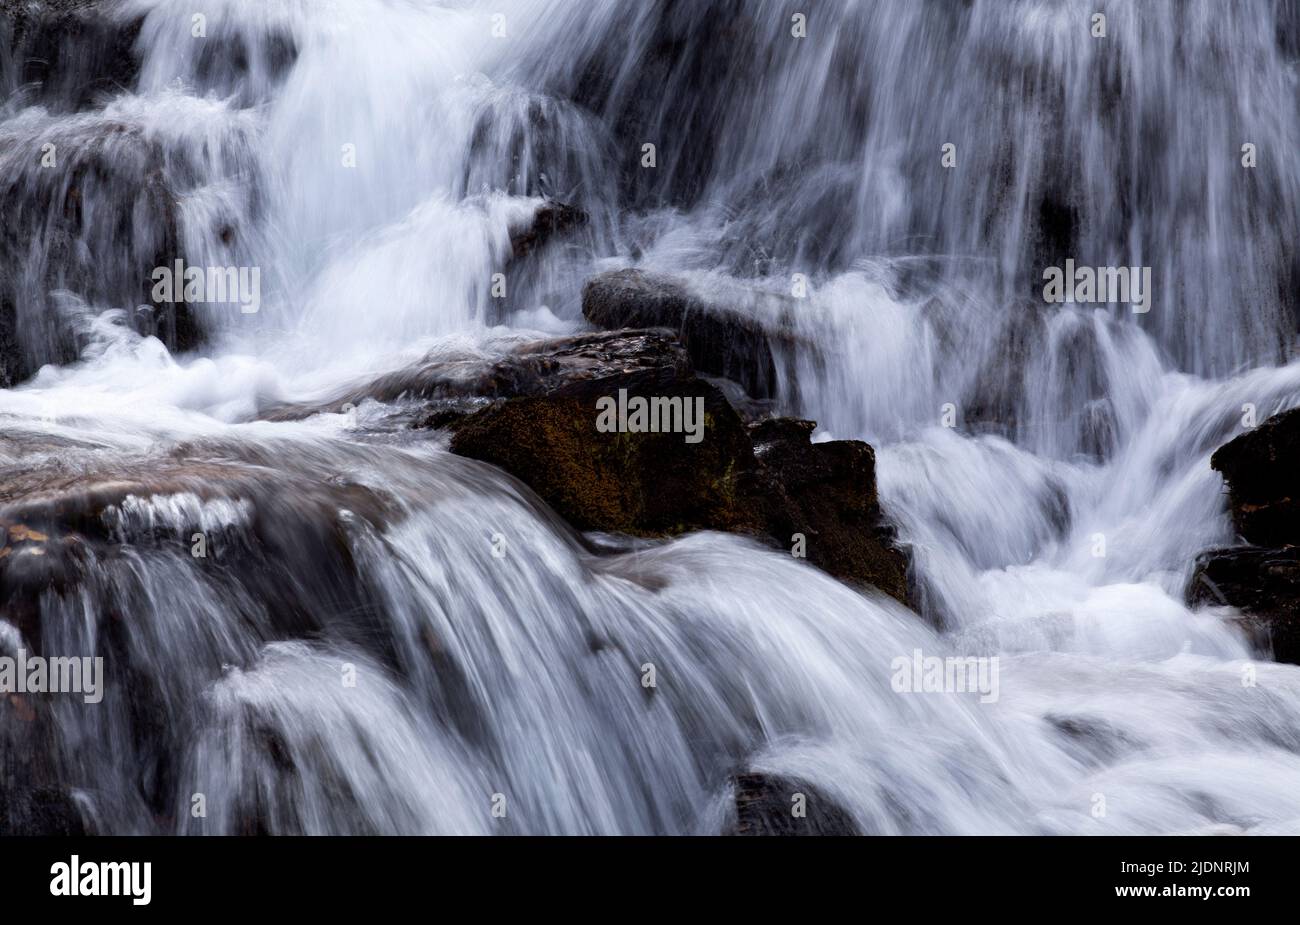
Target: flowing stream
column 371, row 158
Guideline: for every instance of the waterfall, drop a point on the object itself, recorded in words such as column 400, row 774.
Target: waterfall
column 389, row 638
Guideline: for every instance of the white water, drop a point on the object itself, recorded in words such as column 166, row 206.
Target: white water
column 520, row 675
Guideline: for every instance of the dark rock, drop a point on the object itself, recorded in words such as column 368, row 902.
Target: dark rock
column 766, row 480
column 106, row 197
column 439, row 418
column 44, row 811
column 66, row 54
column 721, row 339
column 765, row 806
column 1264, row 584
column 827, row 491
column 1262, row 580
column 534, row 368
column 551, row 219
column 533, row 413
column 1262, row 469
column 63, row 531
column 636, row 483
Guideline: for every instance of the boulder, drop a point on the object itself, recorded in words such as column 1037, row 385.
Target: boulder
column 552, row 218
column 1264, row 584
column 67, row 54
column 765, row 805
column 1262, row 469
column 764, row 479
column 646, row 484
column 533, row 412
column 827, row 492
column 94, row 226
column 1262, row 579
column 730, row 335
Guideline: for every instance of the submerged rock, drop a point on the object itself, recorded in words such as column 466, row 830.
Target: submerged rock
column 721, row 339
column 769, row 805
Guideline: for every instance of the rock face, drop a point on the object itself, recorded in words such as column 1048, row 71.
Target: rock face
column 766, row 805
column 720, row 340
column 1262, row 469
column 764, row 479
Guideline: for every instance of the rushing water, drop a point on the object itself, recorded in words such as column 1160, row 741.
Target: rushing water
column 371, row 157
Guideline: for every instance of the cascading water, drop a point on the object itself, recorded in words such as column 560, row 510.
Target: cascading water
column 372, row 156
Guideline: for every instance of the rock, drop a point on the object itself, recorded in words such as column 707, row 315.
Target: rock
column 551, row 218
column 458, row 386
column 720, row 338
column 107, row 196
column 43, row 811
column 64, row 528
column 1262, row 580
column 1262, row 469
column 827, row 492
column 646, row 484
column 66, row 54
column 765, row 805
column 766, row 479
column 1264, row 584
column 533, row 413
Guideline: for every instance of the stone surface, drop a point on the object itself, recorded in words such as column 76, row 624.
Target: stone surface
column 1262, row 469
column 766, row 479
column 1264, row 584
column 720, row 339
column 765, row 805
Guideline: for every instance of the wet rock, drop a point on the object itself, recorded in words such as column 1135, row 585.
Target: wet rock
column 65, row 530
column 1262, row 469
column 766, row 479
column 827, row 492
column 721, row 338
column 94, row 225
column 1264, row 584
column 67, row 54
column 637, row 483
column 551, row 219
column 1262, row 580
column 44, row 811
column 533, row 413
column 767, row 805
column 460, row 385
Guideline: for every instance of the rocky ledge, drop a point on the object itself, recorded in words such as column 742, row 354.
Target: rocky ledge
column 1261, row 578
